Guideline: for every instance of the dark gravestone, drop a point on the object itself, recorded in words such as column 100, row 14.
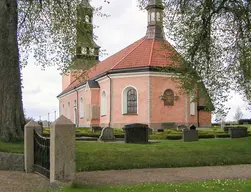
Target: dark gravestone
column 160, row 130
column 190, row 135
column 136, row 133
column 238, row 132
column 192, row 127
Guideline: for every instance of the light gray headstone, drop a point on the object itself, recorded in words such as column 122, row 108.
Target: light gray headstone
column 181, row 127
column 107, row 134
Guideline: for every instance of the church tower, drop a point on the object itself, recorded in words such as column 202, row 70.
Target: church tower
column 87, row 51
column 155, row 20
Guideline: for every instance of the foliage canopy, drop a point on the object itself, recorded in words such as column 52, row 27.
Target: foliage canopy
column 213, row 37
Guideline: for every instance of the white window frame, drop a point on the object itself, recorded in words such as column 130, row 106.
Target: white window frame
column 124, row 99
column 62, row 109
column 103, row 103
column 192, row 105
column 69, row 110
column 153, row 16
column 84, row 50
column 158, row 17
column 87, row 19
column 81, row 107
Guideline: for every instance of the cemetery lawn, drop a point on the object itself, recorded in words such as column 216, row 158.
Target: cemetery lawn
column 92, row 156
column 16, row 147
column 208, row 186
column 162, row 154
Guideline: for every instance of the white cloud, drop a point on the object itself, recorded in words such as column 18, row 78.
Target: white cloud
column 126, row 25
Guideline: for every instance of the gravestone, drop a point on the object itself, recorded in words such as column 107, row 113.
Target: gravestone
column 238, row 132
column 192, row 127
column 181, row 127
column 106, row 134
column 136, row 133
column 190, row 135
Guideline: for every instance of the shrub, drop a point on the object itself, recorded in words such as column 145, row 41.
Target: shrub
column 206, row 136
column 174, row 137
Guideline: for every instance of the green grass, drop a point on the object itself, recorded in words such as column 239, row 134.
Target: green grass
column 16, row 147
column 163, row 154
column 106, row 156
column 207, row 186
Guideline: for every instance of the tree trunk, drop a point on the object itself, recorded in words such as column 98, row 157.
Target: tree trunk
column 11, row 106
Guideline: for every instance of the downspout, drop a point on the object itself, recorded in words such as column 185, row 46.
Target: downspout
column 110, row 115
column 198, row 112
column 77, row 107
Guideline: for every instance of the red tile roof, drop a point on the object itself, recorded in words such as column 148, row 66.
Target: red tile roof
column 142, row 53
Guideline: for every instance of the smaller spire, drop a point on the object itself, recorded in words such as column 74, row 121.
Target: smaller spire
column 155, row 20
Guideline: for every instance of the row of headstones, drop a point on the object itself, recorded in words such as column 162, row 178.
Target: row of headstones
column 135, row 133
column 139, row 133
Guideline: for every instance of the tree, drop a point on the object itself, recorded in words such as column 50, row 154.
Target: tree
column 11, row 106
column 213, row 37
column 45, row 29
column 238, row 114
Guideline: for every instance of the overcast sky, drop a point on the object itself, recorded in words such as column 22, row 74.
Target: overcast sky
column 126, row 25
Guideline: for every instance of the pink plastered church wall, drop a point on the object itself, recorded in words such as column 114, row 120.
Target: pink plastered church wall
column 161, row 113
column 152, row 112
column 178, row 113
column 86, row 95
column 118, row 85
column 68, row 110
column 105, row 86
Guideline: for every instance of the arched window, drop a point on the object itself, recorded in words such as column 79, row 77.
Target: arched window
column 168, row 97
column 158, row 16
column 81, row 108
column 84, row 50
column 69, row 110
column 62, row 110
column 153, row 16
column 130, row 101
column 87, row 19
column 103, row 103
column 192, row 104
column 92, row 51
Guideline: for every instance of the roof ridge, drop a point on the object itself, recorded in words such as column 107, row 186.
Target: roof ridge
column 143, row 39
column 150, row 58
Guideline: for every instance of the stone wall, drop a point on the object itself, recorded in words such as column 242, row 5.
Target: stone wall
column 11, row 161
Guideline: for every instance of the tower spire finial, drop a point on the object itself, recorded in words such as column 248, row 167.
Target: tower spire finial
column 155, row 20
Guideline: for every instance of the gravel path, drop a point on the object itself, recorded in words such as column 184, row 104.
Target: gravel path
column 163, row 175
column 11, row 181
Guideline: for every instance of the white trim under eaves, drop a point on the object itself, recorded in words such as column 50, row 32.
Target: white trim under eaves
column 72, row 91
column 102, row 79
column 142, row 74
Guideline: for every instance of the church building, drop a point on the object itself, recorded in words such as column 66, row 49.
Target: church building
column 128, row 87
